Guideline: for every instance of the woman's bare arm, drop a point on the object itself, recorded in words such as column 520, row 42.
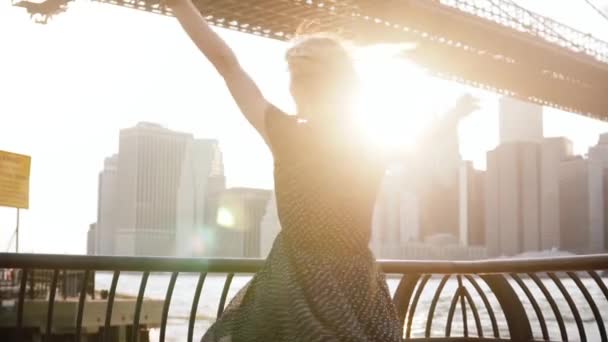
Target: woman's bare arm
column 243, row 89
column 437, row 131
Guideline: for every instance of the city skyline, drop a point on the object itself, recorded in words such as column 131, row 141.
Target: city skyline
column 61, row 114
column 158, row 193
column 536, row 195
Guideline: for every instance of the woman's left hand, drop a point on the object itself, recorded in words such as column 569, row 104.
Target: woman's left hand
column 465, row 105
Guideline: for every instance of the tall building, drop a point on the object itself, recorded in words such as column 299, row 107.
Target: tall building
column 91, row 245
column 269, row 227
column 438, row 192
column 107, row 199
column 513, row 199
column 386, row 219
column 202, row 178
column 524, row 196
column 150, row 163
column 519, row 121
column 472, row 206
column 439, row 208
column 240, row 214
column 553, row 152
column 599, row 155
column 581, row 219
column 396, row 214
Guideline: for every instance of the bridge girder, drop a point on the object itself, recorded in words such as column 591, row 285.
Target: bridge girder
column 453, row 38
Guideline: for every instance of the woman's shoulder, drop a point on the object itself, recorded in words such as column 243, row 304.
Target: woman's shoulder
column 282, row 130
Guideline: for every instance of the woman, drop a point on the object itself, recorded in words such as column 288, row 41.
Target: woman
column 320, row 281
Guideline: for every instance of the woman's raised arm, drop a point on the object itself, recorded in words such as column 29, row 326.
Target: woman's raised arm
column 245, row 92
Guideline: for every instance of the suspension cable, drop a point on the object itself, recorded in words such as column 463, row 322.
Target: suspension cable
column 597, row 9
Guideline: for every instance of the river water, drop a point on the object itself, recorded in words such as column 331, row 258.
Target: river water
column 179, row 311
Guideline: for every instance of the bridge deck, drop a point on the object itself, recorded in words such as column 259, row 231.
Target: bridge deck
column 490, row 44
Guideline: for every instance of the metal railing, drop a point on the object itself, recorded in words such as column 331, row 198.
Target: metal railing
column 39, row 283
column 557, row 299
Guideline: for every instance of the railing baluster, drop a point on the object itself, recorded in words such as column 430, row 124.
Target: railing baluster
column 220, row 308
column 469, row 299
column 138, row 304
column 571, row 304
column 592, row 305
column 403, row 295
column 510, row 303
column 20, row 300
column 553, row 304
column 64, row 284
column 599, row 282
column 109, row 306
column 32, row 285
column 451, row 311
column 429, row 319
column 49, row 313
column 602, row 286
column 465, row 323
column 487, row 305
column 412, row 308
column 535, row 306
column 197, row 296
column 163, row 323
column 81, row 300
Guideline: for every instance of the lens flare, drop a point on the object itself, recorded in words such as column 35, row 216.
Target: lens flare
column 225, row 218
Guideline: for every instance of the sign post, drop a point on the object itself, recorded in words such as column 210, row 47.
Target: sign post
column 15, row 184
column 17, row 234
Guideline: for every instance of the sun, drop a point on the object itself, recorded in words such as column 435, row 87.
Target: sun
column 398, row 101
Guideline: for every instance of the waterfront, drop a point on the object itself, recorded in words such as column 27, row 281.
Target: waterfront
column 179, row 312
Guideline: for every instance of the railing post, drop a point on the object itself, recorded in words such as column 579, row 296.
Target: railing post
column 92, row 285
column 32, row 283
column 403, row 294
column 64, row 281
column 515, row 314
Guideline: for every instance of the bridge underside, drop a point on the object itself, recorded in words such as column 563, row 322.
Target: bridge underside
column 503, row 48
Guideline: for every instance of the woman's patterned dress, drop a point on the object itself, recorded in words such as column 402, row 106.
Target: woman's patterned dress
column 320, row 281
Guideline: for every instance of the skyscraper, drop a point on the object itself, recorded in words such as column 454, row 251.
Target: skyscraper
column 240, row 214
column 553, row 152
column 91, row 245
column 396, row 214
column 202, row 177
column 513, row 199
column 149, row 172
column 581, row 218
column 438, row 192
column 598, row 156
column 269, row 227
column 216, row 183
column 519, row 121
column 107, row 198
column 472, row 206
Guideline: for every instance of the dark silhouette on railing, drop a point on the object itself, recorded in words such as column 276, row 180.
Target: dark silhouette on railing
column 503, row 299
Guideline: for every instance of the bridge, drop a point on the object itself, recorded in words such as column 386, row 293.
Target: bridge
column 495, row 45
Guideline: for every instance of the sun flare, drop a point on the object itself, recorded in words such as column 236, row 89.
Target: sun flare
column 398, row 102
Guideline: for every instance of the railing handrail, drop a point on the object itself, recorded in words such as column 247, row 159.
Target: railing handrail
column 234, row 265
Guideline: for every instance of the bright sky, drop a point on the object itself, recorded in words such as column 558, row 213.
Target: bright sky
column 69, row 86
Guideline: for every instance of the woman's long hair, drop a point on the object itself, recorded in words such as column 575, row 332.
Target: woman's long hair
column 324, row 75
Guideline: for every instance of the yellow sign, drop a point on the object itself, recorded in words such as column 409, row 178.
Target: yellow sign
column 14, row 180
